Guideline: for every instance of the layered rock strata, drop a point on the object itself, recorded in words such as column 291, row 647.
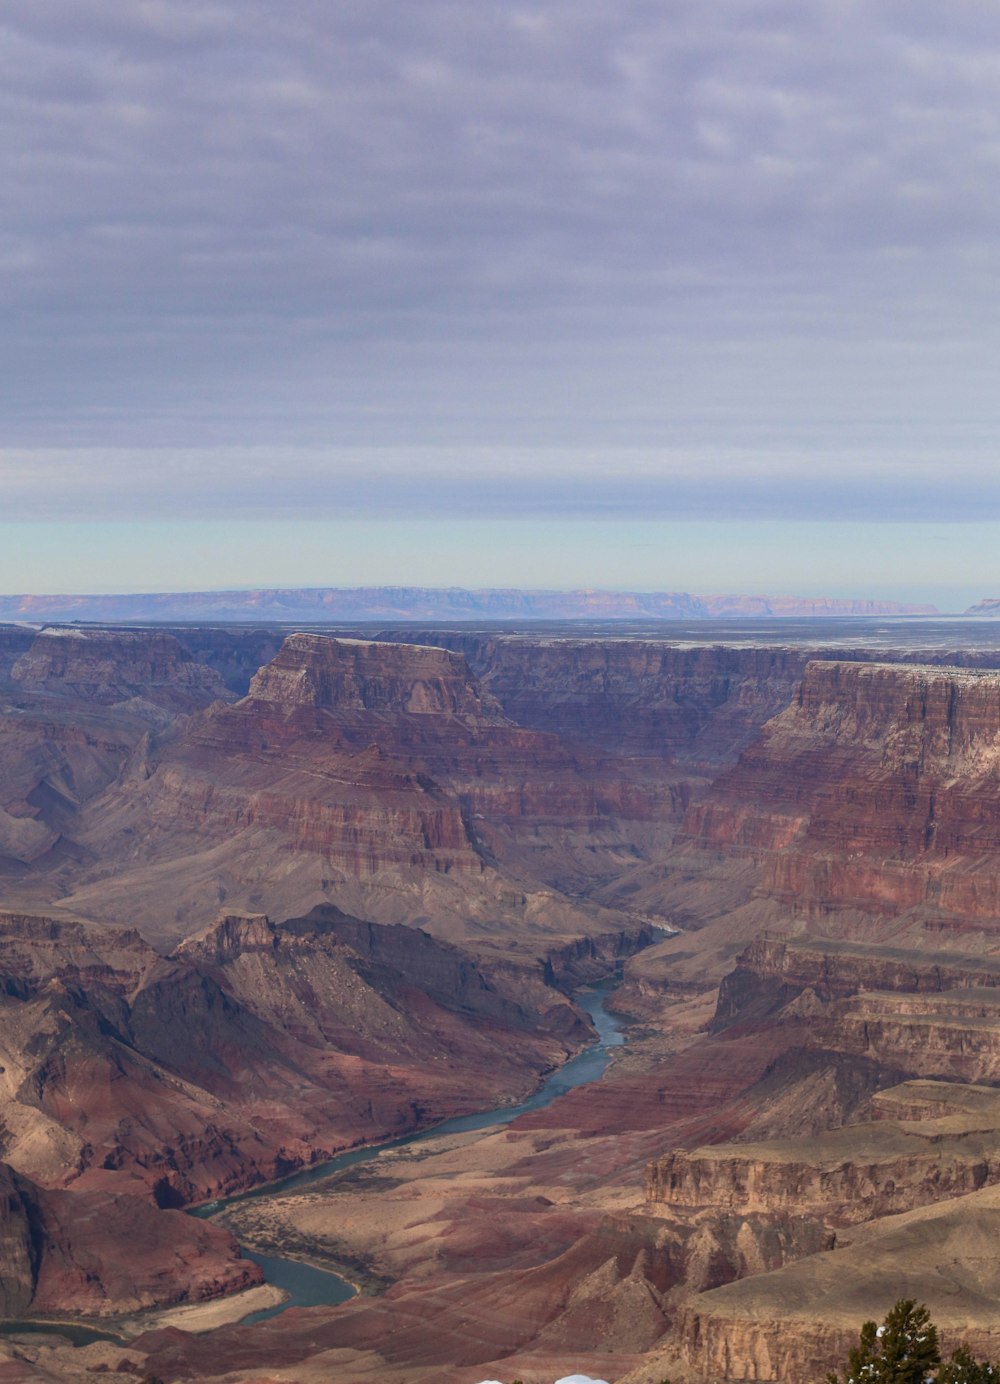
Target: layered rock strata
column 381, row 777
column 74, row 706
column 872, row 797
column 109, row 666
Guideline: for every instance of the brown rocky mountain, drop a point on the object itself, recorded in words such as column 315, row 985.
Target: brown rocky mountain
column 804, row 1126
column 253, row 1049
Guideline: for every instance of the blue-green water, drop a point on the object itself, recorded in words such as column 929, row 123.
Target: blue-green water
column 310, row 1287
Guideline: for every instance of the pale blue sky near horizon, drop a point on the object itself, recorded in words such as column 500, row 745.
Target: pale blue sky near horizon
column 772, row 557
column 677, row 296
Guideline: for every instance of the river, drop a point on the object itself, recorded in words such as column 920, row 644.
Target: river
column 310, row 1287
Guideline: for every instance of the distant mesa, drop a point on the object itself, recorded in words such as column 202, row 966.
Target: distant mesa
column 354, row 675
column 990, row 605
column 327, row 604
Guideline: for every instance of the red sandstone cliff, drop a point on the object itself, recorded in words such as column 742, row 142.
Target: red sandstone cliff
column 874, row 794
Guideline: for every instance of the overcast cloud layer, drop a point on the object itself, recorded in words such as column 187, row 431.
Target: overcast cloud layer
column 737, row 257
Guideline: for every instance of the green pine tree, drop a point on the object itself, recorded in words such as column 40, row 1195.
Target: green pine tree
column 903, row 1350
column 963, row 1369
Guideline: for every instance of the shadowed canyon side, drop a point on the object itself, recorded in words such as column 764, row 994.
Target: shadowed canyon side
column 133, row 1081
column 74, row 706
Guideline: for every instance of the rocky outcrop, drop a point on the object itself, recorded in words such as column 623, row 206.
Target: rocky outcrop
column 793, row 1324
column 349, row 676
column 696, row 705
column 848, row 1175
column 97, row 1254
column 774, row 969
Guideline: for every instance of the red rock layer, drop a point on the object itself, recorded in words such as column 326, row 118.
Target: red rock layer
column 696, row 704
column 379, row 764
column 97, row 1254
column 876, row 791
column 108, row 666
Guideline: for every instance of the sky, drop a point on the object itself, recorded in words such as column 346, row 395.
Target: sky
column 662, row 295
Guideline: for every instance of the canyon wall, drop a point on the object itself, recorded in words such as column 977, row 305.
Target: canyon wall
column 380, row 777
column 873, row 794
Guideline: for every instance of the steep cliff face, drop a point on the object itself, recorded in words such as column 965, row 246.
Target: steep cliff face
column 14, row 641
column 845, row 1020
column 19, row 1248
column 98, row 1254
column 74, row 705
column 775, row 969
column 108, row 666
column 875, row 792
column 348, row 676
column 846, row 1176
column 698, row 705
column 693, row 704
column 790, row 1325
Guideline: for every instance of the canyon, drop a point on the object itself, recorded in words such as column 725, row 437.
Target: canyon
column 270, row 895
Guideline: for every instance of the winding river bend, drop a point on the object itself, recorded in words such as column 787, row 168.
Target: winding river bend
column 311, row 1287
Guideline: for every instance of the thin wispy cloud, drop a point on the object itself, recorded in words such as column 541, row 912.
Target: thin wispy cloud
column 282, row 483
